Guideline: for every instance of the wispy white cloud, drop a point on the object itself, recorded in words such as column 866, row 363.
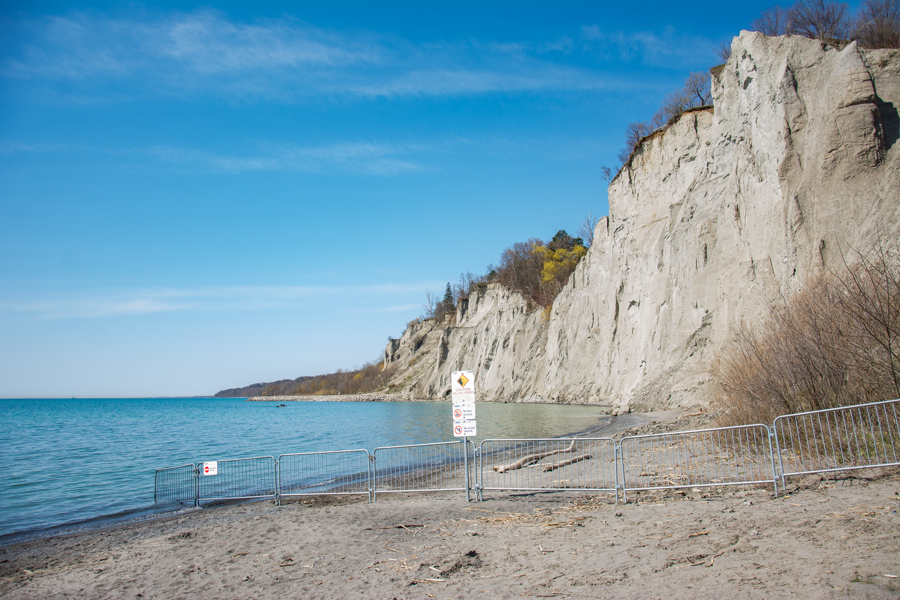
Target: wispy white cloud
column 352, row 157
column 203, row 53
column 144, row 301
column 669, row 48
column 366, row 158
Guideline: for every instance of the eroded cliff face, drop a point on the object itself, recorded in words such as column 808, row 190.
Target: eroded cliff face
column 721, row 215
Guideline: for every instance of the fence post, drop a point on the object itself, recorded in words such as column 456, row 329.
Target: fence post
column 372, row 498
column 620, row 466
column 780, row 471
column 466, row 465
column 197, row 485
column 277, row 486
column 775, row 468
column 479, row 473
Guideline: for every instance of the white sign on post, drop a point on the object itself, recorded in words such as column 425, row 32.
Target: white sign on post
column 464, row 412
column 211, row 468
column 464, row 429
column 462, row 386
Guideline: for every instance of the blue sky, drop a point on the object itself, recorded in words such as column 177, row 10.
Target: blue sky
column 197, row 197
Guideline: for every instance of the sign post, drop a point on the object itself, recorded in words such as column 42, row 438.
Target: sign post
column 462, row 387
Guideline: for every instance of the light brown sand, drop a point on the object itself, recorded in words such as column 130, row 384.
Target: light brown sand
column 827, row 539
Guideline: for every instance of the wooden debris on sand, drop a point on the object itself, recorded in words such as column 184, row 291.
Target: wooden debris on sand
column 531, row 459
column 568, row 461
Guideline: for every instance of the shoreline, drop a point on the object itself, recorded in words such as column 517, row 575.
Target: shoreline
column 384, row 397
column 605, row 425
column 824, row 539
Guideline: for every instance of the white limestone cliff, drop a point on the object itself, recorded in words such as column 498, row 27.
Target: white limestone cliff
column 716, row 218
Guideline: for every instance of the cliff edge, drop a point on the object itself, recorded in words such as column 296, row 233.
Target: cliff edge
column 717, row 217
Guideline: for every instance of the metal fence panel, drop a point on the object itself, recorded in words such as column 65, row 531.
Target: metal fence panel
column 708, row 457
column 319, row 473
column 239, row 478
column 423, row 467
column 838, row 439
column 548, row 464
column 175, row 485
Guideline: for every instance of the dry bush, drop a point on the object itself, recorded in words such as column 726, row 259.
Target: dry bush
column 837, row 343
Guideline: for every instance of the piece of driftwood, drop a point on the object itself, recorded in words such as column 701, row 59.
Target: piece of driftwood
column 568, row 461
column 531, row 459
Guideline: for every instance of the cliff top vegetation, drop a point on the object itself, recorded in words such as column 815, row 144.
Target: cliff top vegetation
column 536, row 269
column 876, row 24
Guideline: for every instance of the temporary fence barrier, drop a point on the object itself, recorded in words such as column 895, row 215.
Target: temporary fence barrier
column 325, row 473
column 587, row 464
column 838, row 439
column 442, row 466
column 175, row 485
column 708, row 457
column 241, row 478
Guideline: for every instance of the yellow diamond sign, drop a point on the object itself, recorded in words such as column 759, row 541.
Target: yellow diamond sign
column 462, row 386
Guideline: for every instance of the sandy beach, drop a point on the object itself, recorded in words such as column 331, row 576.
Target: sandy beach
column 824, row 539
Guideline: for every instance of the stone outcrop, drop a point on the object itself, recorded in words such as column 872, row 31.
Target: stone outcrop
column 719, row 216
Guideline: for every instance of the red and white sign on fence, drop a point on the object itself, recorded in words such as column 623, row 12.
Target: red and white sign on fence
column 462, row 387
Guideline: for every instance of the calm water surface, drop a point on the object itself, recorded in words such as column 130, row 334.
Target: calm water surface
column 68, row 461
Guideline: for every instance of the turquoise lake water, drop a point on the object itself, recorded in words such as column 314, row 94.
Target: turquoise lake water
column 70, row 461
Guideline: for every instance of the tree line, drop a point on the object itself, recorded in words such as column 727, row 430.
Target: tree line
column 368, row 378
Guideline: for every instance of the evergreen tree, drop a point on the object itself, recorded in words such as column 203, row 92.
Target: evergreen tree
column 448, row 298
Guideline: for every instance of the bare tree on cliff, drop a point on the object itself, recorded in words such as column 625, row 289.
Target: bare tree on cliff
column 819, row 20
column 877, row 25
column 773, row 22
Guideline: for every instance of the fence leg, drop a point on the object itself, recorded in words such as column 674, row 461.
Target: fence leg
column 466, row 464
column 277, row 490
column 372, row 478
column 620, row 467
column 479, row 475
column 774, row 466
column 197, row 485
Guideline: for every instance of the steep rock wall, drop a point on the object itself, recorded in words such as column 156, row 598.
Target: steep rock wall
column 716, row 218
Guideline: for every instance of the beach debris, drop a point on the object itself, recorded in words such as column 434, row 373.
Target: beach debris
column 531, row 459
column 568, row 461
column 576, row 521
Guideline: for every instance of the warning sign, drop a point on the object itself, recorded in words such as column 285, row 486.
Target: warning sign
column 464, row 412
column 211, row 468
column 462, row 386
column 464, row 429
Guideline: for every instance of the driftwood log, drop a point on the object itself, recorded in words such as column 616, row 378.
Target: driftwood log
column 531, row 459
column 568, row 461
